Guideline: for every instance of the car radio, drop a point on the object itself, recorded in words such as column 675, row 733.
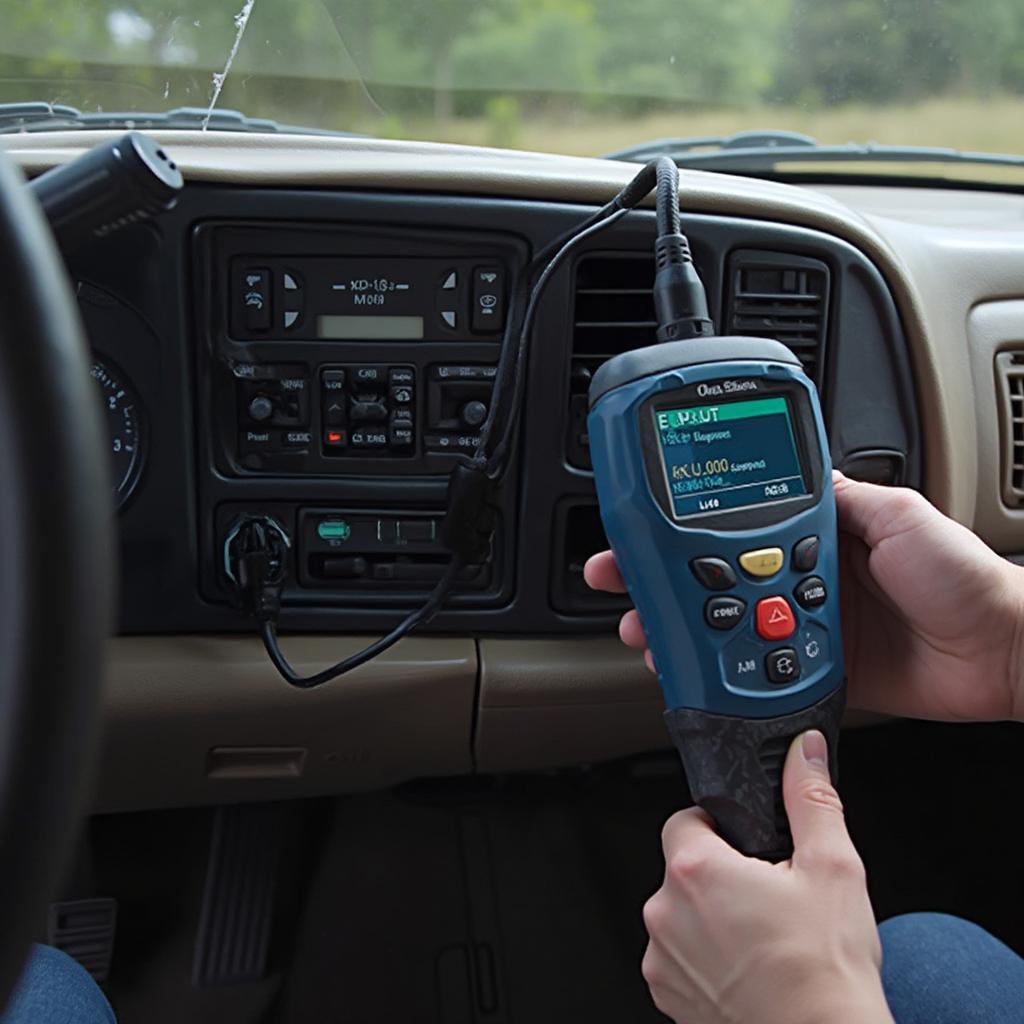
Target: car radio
column 366, row 299
column 326, row 358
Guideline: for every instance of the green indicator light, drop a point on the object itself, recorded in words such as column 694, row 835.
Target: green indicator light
column 334, row 529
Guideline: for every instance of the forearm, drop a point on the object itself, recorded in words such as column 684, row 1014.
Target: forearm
column 863, row 1004
column 1015, row 652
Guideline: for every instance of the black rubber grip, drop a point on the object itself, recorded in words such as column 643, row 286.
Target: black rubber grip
column 734, row 768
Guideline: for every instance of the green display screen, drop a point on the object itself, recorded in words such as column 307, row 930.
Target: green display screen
column 728, row 456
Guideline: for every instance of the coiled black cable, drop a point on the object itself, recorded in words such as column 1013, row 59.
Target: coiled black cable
column 499, row 431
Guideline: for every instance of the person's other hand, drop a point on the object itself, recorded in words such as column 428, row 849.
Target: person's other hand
column 735, row 940
column 933, row 619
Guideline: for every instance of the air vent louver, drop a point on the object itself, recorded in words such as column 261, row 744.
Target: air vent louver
column 613, row 312
column 1010, row 378
column 614, row 307
column 776, row 295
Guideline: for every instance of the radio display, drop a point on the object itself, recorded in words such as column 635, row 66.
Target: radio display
column 371, row 328
column 729, row 456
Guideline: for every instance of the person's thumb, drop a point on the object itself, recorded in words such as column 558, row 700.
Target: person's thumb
column 812, row 803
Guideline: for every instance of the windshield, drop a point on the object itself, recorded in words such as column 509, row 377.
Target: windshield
column 569, row 76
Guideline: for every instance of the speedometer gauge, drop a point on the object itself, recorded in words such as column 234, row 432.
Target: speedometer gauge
column 124, row 428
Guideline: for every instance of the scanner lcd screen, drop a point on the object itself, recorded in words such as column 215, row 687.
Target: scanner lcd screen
column 729, row 455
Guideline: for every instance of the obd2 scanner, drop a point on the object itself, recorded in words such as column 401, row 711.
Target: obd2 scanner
column 715, row 487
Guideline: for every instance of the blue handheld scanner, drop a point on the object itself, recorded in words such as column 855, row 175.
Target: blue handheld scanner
column 715, row 486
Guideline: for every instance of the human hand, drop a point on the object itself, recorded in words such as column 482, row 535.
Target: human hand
column 933, row 619
column 734, row 940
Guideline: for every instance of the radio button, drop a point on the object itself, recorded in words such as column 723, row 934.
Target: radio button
column 774, row 619
column 762, row 562
column 401, row 375
column 724, row 612
column 713, row 573
column 400, row 436
column 805, row 554
column 335, row 440
column 334, row 410
column 782, row 666
column 364, row 439
column 417, row 531
column 810, row 593
column 363, row 375
column 367, row 412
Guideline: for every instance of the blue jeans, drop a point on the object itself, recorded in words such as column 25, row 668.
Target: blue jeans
column 54, row 989
column 938, row 969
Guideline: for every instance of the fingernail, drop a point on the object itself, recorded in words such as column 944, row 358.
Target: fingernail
column 815, row 749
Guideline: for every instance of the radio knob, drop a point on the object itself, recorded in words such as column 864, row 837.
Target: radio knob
column 474, row 413
column 261, row 408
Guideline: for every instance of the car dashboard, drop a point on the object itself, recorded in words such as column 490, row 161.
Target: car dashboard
column 311, row 335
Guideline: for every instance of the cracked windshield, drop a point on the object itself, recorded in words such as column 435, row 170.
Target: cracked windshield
column 591, row 77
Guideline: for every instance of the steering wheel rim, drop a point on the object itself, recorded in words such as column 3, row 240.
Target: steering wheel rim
column 56, row 571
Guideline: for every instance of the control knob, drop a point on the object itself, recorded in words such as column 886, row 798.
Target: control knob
column 474, row 413
column 261, row 408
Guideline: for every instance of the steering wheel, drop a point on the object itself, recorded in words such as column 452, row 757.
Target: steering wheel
column 56, row 568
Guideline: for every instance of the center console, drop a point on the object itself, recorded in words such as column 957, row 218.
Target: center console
column 324, row 358
column 333, row 357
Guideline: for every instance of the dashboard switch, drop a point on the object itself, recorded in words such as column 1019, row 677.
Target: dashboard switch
column 367, row 412
column 349, row 568
column 253, row 298
column 417, row 531
column 335, row 440
column 368, row 438
column 400, row 435
column 488, row 299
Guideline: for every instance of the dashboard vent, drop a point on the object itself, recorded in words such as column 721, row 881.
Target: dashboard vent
column 613, row 312
column 614, row 307
column 1010, row 378
column 776, row 295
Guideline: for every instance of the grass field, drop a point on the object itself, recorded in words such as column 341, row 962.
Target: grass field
column 993, row 125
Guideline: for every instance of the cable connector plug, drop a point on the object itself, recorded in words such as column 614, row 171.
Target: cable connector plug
column 680, row 302
column 255, row 563
column 470, row 517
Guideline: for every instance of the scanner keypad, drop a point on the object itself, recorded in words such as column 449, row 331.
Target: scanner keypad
column 776, row 645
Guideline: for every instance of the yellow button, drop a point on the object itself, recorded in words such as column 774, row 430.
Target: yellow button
column 763, row 562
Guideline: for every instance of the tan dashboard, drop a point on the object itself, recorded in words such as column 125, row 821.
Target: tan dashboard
column 204, row 719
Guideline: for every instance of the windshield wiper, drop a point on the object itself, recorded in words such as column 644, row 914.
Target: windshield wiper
column 38, row 117
column 761, row 152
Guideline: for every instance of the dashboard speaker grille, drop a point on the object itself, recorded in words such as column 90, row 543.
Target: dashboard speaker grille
column 781, row 296
column 1010, row 381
